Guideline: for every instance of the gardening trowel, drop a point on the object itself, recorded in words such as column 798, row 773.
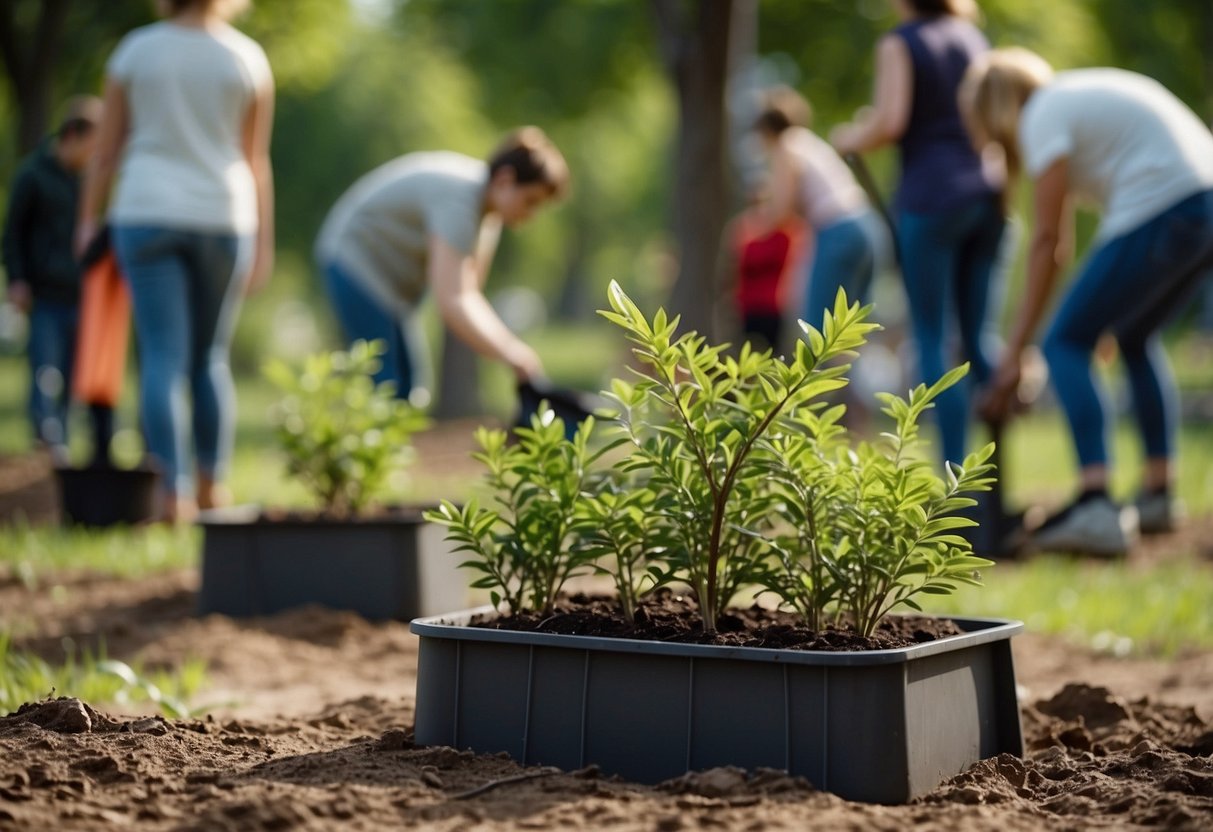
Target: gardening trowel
column 571, row 406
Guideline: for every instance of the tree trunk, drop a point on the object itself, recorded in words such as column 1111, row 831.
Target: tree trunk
column 458, row 380
column 29, row 60
column 694, row 38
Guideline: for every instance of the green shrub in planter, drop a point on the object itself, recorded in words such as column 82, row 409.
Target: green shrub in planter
column 343, row 434
column 738, row 474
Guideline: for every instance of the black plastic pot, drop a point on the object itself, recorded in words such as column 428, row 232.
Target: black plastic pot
column 882, row 726
column 104, row 496
column 394, row 566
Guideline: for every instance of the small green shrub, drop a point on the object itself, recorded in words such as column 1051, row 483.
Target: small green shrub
column 738, row 473
column 528, row 546
column 874, row 526
column 343, row 434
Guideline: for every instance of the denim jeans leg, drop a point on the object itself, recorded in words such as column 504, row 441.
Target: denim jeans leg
column 51, row 352
column 978, row 279
column 363, row 317
column 843, row 258
column 940, row 251
column 154, row 265
column 928, row 268
column 1129, row 285
column 218, row 265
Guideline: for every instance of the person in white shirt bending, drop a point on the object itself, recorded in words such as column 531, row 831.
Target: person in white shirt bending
column 430, row 221
column 1126, row 144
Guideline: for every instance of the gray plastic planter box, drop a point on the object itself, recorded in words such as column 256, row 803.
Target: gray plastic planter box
column 881, row 726
column 399, row 566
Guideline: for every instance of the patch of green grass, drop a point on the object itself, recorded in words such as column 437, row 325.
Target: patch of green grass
column 1163, row 609
column 34, row 551
column 95, row 679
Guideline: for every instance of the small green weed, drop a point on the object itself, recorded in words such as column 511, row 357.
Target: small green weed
column 25, row 677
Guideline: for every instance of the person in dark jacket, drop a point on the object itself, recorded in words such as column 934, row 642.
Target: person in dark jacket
column 43, row 275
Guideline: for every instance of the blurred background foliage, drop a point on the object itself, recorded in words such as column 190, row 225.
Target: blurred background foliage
column 361, row 81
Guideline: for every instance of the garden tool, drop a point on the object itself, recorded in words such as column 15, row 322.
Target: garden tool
column 571, row 406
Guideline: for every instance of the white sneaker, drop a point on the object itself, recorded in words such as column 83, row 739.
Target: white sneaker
column 1093, row 527
column 1158, row 513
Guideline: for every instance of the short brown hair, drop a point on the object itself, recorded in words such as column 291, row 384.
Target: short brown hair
column 81, row 113
column 534, row 159
column 782, row 107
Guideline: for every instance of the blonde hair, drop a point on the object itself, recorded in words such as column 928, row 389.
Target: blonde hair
column 992, row 95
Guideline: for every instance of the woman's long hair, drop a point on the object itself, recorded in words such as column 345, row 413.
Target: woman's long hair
column 991, row 98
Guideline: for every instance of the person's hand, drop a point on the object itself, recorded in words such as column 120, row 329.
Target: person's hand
column 525, row 363
column 845, row 137
column 842, row 138
column 19, row 295
column 85, row 231
column 1002, row 393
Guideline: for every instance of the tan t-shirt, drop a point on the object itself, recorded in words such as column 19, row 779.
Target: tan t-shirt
column 188, row 91
column 379, row 229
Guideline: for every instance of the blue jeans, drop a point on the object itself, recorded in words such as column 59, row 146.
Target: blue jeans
column 52, row 350
column 1130, row 285
column 362, row 316
column 186, row 288
column 948, row 262
column 844, row 256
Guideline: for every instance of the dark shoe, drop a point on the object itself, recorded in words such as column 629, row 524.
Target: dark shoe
column 1092, row 525
column 1158, row 512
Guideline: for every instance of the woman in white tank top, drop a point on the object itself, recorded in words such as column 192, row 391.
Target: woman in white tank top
column 810, row 179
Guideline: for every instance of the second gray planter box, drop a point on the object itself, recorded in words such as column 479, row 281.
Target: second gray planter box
column 880, row 726
column 383, row 567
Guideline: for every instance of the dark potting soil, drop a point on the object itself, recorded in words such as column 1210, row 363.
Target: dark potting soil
column 669, row 616
column 371, row 514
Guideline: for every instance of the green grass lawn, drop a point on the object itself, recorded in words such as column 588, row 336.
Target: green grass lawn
column 1162, row 608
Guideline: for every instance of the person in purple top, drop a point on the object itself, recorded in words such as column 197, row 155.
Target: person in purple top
column 948, row 211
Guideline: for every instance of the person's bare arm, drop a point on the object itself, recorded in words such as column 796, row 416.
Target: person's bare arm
column 782, row 203
column 258, row 125
column 886, row 120
column 1050, row 248
column 99, row 176
column 486, row 246
column 455, row 282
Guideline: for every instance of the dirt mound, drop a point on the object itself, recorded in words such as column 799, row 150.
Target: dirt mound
column 1094, row 754
column 1095, row 761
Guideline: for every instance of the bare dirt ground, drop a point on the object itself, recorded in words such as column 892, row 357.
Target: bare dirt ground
column 309, row 727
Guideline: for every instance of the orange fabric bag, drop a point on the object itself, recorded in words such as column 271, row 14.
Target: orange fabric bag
column 101, row 341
